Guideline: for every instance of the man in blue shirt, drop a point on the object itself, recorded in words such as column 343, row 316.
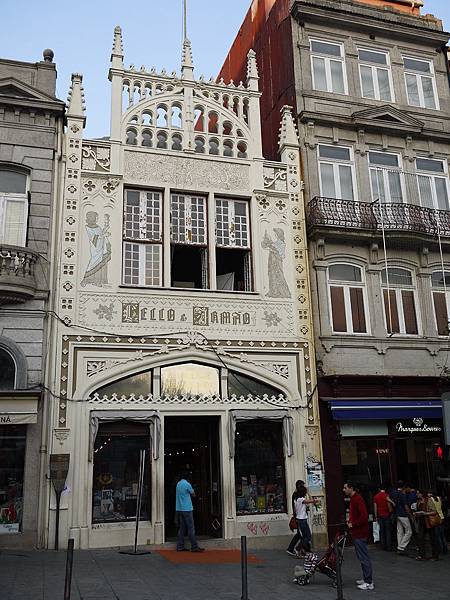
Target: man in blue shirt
column 185, row 514
column 401, row 511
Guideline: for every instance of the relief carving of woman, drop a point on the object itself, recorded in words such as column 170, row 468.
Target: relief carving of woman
column 278, row 287
column 100, row 249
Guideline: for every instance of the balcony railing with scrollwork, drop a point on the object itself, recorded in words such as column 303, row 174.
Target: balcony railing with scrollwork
column 17, row 274
column 373, row 216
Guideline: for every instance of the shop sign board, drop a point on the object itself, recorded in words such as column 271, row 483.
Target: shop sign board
column 417, row 425
column 59, row 467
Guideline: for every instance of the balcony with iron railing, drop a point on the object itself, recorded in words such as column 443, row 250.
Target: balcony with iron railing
column 372, row 218
column 17, row 274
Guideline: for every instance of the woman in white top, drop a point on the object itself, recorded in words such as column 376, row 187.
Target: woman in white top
column 300, row 502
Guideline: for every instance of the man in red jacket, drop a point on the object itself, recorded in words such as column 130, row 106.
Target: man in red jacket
column 358, row 523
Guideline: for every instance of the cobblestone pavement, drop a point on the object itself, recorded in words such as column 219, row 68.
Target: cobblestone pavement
column 108, row 575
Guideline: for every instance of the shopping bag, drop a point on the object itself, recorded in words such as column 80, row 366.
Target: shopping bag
column 376, row 532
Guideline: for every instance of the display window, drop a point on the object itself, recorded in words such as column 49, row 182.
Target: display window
column 116, row 472
column 12, row 461
column 259, row 467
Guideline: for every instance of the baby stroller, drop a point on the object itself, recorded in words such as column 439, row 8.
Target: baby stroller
column 326, row 564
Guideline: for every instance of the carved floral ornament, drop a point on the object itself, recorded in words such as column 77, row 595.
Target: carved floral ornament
column 95, row 158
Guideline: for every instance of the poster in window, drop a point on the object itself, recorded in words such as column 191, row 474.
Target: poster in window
column 314, row 471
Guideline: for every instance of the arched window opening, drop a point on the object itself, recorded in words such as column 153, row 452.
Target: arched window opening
column 138, row 384
column 236, row 106
column 399, row 301
column 199, row 120
column 242, row 150
column 131, row 137
column 159, row 89
column 7, row 371
column 226, row 101
column 161, row 116
column 148, row 90
column 133, row 120
column 126, row 96
column 136, row 93
column 177, row 142
column 243, row 385
column 162, row 140
column 213, row 120
column 176, row 116
column 189, row 379
column 246, row 112
column 147, row 118
column 228, row 148
column 199, row 145
column 347, row 299
column 227, row 128
column 147, row 138
column 214, row 146
column 440, row 283
column 240, row 133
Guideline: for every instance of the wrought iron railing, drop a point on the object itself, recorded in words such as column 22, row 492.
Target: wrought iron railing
column 348, row 214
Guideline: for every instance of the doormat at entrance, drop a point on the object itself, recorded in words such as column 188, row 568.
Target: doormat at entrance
column 210, row 557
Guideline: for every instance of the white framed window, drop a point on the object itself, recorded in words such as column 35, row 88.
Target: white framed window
column 386, row 178
column 420, row 82
column 440, row 285
column 13, row 207
column 347, row 299
column 142, row 238
column 233, row 245
column 336, row 170
column 433, row 183
column 399, row 296
column 375, row 74
column 188, row 237
column 328, row 66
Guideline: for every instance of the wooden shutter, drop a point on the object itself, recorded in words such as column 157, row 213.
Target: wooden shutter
column 338, row 309
column 394, row 312
column 409, row 312
column 357, row 305
column 440, row 310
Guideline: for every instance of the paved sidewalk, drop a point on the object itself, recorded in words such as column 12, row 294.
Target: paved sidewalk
column 107, row 575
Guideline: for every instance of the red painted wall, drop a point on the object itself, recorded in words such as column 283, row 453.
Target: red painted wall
column 266, row 29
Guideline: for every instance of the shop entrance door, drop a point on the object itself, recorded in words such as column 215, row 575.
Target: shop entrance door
column 192, row 444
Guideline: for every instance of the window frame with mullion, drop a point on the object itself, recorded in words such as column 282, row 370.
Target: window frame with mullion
column 441, row 294
column 143, row 243
column 432, row 176
column 385, row 172
column 347, row 289
column 327, row 59
column 419, row 76
column 374, row 68
column 336, row 163
column 398, row 294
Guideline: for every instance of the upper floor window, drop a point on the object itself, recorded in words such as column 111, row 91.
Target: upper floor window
column 385, row 177
column 399, row 301
column 347, row 299
column 328, row 67
column 375, row 74
column 146, row 239
column 432, row 181
column 420, row 82
column 13, row 207
column 440, row 283
column 7, row 371
column 336, row 172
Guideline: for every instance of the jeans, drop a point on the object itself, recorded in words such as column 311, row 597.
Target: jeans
column 362, row 554
column 186, row 525
column 404, row 532
column 302, row 537
column 439, row 532
column 385, row 532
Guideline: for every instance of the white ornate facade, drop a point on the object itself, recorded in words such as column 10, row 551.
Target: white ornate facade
column 180, row 245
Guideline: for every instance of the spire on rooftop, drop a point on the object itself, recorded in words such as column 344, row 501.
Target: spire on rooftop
column 288, row 130
column 117, row 49
column 252, row 70
column 75, row 101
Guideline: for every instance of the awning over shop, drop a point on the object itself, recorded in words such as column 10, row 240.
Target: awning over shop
column 18, row 410
column 384, row 408
column 270, row 415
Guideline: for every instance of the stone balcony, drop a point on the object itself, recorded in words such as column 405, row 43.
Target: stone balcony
column 17, row 274
column 355, row 220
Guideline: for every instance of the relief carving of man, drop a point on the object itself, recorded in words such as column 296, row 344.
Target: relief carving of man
column 278, row 287
column 100, row 248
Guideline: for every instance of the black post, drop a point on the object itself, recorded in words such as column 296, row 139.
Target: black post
column 58, row 502
column 139, row 497
column 244, row 567
column 69, row 565
column 340, row 592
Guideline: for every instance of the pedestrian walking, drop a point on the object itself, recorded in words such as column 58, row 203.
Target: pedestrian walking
column 358, row 524
column 401, row 512
column 427, row 520
column 382, row 510
column 302, row 538
column 185, row 514
column 439, row 530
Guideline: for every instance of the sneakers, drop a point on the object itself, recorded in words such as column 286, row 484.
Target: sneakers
column 366, row 586
column 360, row 581
column 291, row 553
column 198, row 549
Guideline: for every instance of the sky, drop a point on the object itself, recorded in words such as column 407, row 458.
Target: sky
column 81, row 33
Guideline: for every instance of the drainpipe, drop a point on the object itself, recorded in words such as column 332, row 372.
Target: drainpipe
column 445, row 52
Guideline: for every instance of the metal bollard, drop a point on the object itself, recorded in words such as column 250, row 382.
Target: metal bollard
column 69, row 565
column 340, row 592
column 244, row 580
